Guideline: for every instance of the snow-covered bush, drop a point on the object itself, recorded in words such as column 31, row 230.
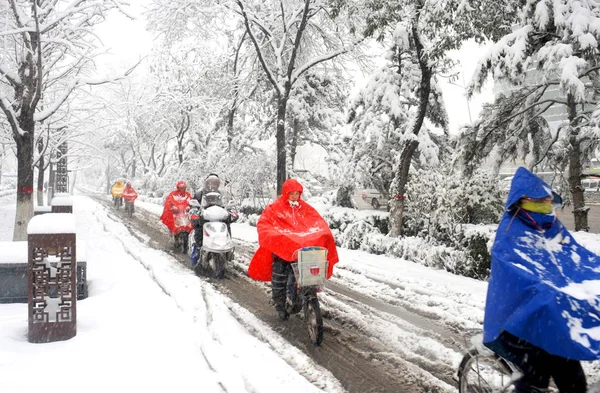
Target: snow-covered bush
column 339, row 218
column 251, row 219
column 439, row 204
column 355, row 234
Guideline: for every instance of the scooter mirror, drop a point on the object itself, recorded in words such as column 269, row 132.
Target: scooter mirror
column 194, row 203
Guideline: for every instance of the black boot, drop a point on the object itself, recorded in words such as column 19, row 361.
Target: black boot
column 279, row 286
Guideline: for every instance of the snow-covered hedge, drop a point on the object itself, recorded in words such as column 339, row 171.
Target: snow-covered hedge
column 469, row 258
column 450, row 224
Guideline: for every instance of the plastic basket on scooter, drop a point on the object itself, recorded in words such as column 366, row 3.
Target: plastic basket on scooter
column 311, row 268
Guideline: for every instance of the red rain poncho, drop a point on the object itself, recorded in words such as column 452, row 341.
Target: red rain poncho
column 283, row 229
column 175, row 201
column 129, row 194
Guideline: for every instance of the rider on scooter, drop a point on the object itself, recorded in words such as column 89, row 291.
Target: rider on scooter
column 208, row 196
column 286, row 225
column 541, row 312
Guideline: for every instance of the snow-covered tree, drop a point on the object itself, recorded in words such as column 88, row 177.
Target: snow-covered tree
column 290, row 38
column 50, row 46
column 549, row 61
column 440, row 202
column 425, row 30
column 315, row 110
column 381, row 116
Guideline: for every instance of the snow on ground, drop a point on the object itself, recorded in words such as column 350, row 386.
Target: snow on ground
column 153, row 325
column 148, row 325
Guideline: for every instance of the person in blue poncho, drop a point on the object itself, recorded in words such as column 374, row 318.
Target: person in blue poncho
column 542, row 310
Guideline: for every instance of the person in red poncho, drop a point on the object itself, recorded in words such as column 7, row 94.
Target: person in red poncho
column 129, row 194
column 287, row 224
column 176, row 200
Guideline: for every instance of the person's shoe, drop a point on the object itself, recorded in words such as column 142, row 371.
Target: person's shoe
column 283, row 315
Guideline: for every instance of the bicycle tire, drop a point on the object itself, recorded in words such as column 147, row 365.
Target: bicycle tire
column 314, row 320
column 484, row 373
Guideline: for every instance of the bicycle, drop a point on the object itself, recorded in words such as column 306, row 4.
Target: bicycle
column 483, row 371
column 118, row 201
column 305, row 279
column 129, row 208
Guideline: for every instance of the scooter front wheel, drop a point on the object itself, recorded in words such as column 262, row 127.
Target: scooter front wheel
column 219, row 260
column 314, row 320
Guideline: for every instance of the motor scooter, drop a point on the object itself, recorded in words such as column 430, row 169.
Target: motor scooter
column 217, row 246
column 182, row 228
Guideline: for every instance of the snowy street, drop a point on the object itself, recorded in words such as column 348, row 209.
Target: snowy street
column 148, row 318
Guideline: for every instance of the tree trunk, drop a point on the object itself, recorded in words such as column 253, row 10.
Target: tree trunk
column 40, row 167
column 280, row 138
column 343, row 196
column 294, row 142
column 73, row 179
column 580, row 211
column 401, row 176
column 230, row 118
column 397, row 205
column 51, row 182
column 25, row 145
column 108, row 180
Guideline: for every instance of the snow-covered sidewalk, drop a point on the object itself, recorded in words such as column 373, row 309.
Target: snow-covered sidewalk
column 148, row 325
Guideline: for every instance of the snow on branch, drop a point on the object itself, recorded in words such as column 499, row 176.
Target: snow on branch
column 72, row 85
column 12, row 77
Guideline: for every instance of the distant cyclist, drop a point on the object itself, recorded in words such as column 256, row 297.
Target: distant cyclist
column 117, row 191
column 542, row 310
column 130, row 195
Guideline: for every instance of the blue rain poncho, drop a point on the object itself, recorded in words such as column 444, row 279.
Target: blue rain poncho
column 544, row 287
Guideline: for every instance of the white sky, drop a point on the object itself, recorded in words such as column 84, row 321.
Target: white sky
column 149, row 324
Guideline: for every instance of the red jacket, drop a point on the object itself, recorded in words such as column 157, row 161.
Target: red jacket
column 174, row 201
column 283, row 229
column 129, row 194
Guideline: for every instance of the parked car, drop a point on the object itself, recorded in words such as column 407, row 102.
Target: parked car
column 591, row 184
column 374, row 198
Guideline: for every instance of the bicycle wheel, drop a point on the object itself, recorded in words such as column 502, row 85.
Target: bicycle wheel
column 314, row 319
column 484, row 373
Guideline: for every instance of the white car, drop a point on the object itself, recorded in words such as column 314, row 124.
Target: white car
column 591, row 184
column 374, row 198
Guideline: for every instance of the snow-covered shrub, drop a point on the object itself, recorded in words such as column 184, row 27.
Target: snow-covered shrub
column 339, row 218
column 438, row 204
column 355, row 234
column 252, row 219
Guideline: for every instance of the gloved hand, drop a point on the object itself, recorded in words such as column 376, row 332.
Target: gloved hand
column 175, row 210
